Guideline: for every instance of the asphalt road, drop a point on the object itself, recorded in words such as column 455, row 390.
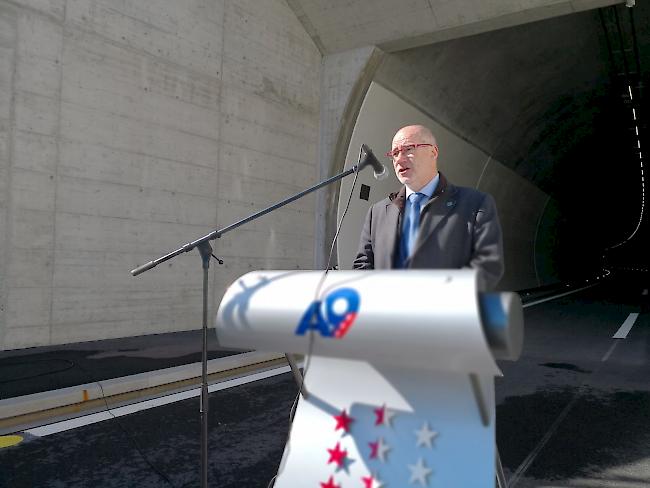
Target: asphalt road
column 574, row 411
column 160, row 447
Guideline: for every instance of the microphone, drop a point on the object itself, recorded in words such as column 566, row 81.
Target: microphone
column 369, row 159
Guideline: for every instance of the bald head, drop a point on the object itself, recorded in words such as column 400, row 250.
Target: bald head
column 416, row 162
column 421, row 132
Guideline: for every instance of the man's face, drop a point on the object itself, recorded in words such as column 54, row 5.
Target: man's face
column 418, row 166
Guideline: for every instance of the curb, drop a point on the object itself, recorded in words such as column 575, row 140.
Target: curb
column 39, row 402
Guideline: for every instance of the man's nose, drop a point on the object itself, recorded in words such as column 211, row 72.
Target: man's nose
column 401, row 156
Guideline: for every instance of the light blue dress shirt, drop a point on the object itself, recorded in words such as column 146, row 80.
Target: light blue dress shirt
column 427, row 190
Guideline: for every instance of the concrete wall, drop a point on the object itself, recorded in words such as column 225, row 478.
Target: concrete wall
column 345, row 78
column 521, row 208
column 395, row 25
column 128, row 128
column 520, row 204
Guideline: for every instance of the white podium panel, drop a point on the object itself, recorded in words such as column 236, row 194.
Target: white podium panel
column 405, row 428
column 399, row 374
column 406, row 318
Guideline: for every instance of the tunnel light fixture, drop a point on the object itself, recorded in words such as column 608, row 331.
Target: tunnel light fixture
column 642, row 206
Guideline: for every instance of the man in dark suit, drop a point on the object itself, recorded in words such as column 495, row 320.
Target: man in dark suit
column 430, row 223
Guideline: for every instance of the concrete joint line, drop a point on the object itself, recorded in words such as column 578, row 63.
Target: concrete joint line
column 539, row 223
column 523, row 467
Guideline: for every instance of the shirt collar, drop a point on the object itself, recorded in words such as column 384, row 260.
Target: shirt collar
column 428, row 189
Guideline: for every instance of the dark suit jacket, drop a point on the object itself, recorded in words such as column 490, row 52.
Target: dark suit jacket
column 459, row 227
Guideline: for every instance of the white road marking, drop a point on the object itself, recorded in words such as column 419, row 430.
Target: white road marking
column 644, row 292
column 156, row 402
column 609, row 351
column 547, row 299
column 624, row 330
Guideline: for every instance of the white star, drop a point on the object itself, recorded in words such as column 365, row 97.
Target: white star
column 384, row 416
column 388, row 417
column 382, row 449
column 419, row 473
column 425, row 435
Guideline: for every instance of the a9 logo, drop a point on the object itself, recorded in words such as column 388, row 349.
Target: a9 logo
column 332, row 317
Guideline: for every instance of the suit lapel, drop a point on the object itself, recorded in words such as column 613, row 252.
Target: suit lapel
column 392, row 228
column 435, row 210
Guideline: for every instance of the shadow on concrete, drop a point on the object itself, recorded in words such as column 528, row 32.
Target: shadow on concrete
column 38, row 369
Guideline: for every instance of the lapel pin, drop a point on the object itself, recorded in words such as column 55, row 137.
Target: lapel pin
column 451, row 203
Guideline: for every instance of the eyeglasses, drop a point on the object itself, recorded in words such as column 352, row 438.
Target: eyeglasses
column 407, row 149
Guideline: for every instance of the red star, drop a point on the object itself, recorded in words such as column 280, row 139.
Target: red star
column 379, row 412
column 337, row 455
column 368, row 481
column 374, row 448
column 330, row 484
column 343, row 421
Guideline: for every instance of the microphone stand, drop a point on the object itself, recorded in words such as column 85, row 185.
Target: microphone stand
column 205, row 250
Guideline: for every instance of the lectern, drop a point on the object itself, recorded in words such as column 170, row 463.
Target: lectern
column 399, row 371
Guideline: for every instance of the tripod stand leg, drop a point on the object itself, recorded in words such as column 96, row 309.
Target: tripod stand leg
column 501, row 477
column 300, row 380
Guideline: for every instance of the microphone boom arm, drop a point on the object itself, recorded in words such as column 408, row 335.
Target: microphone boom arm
column 218, row 233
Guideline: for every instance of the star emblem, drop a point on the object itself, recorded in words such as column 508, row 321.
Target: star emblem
column 345, row 464
column 371, row 482
column 330, row 484
column 419, row 473
column 383, row 416
column 379, row 449
column 425, row 436
column 337, row 455
column 343, row 421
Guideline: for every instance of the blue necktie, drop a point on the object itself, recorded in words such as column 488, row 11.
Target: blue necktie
column 411, row 225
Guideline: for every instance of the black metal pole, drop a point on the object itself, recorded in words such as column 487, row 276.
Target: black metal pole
column 206, row 252
column 205, row 249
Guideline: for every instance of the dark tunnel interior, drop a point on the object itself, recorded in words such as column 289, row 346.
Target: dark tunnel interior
column 562, row 103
